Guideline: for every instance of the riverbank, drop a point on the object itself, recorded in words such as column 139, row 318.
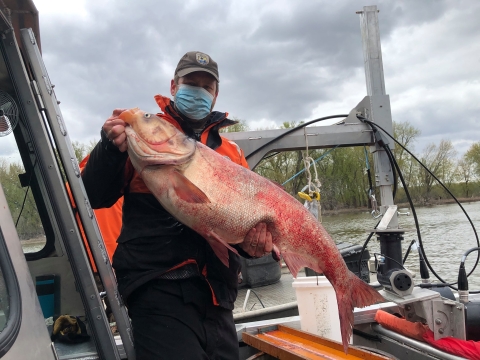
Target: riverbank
column 432, row 202
column 33, row 244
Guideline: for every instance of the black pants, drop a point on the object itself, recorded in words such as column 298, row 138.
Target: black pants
column 176, row 319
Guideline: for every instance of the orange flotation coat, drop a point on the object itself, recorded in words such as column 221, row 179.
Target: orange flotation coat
column 152, row 244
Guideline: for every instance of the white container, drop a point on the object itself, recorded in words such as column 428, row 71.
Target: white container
column 317, row 307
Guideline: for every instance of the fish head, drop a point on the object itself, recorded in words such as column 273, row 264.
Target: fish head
column 155, row 141
column 150, row 127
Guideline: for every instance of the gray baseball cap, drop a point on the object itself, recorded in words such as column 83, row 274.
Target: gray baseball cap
column 196, row 61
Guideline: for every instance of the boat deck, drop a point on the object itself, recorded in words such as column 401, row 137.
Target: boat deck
column 276, row 294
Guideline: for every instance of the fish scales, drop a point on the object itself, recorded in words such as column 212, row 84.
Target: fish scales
column 223, row 201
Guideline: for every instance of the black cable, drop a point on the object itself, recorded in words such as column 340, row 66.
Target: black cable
column 388, row 257
column 407, row 193
column 370, row 185
column 464, row 257
column 23, row 205
column 370, row 191
column 415, row 218
column 271, row 155
column 292, row 130
column 387, row 148
column 424, row 274
column 369, row 173
column 408, row 251
column 257, row 297
column 363, row 249
column 369, row 176
column 441, row 183
column 26, row 193
column 430, row 285
column 391, row 160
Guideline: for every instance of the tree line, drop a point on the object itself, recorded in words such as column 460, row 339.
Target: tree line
column 342, row 172
column 345, row 181
column 20, row 199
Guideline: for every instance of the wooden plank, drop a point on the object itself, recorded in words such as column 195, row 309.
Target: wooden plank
column 269, row 348
column 362, row 354
column 290, row 344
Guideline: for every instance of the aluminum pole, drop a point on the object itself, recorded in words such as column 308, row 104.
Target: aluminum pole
column 379, row 111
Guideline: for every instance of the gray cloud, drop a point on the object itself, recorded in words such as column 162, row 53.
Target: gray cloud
column 279, row 61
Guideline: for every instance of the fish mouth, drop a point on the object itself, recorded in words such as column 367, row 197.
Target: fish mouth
column 140, row 146
column 155, row 145
column 129, row 115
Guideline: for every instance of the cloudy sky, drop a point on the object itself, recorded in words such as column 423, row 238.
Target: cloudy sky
column 278, row 60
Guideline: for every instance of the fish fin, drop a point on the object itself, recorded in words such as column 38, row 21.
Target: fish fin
column 220, row 247
column 355, row 293
column 186, row 190
column 295, row 262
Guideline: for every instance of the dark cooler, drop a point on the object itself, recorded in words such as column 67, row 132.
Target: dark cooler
column 351, row 256
column 259, row 272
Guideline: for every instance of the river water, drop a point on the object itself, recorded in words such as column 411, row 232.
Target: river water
column 445, row 230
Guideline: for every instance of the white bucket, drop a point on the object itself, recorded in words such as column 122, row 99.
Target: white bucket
column 317, row 306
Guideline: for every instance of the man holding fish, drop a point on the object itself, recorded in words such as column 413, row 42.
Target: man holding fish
column 179, row 293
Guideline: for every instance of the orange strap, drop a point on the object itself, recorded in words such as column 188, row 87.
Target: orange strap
column 391, row 322
column 467, row 349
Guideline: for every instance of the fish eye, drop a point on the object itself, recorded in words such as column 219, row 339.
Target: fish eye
column 148, row 115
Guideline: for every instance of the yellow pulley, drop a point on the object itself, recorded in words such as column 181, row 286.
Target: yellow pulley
column 315, row 195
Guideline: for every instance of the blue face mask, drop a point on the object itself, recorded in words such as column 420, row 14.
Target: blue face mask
column 194, row 102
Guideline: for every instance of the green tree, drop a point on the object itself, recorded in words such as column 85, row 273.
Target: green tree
column 465, row 172
column 439, row 160
column 241, row 125
column 406, row 134
column 472, row 156
column 81, row 150
column 20, row 200
column 344, row 180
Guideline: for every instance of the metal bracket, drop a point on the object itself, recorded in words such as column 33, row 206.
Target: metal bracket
column 416, row 296
column 389, row 214
column 362, row 109
column 448, row 319
column 443, row 316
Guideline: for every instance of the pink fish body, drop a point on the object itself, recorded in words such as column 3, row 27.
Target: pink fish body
column 222, row 201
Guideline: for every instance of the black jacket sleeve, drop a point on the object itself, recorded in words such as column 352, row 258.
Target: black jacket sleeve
column 103, row 175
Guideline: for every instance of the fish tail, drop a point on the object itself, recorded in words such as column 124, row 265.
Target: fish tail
column 355, row 294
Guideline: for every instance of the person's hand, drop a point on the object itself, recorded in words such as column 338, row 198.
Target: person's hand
column 258, row 241
column 114, row 128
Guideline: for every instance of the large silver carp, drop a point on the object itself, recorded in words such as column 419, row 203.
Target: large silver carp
column 222, row 201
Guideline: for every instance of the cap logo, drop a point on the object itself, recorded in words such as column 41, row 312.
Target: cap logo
column 202, row 59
